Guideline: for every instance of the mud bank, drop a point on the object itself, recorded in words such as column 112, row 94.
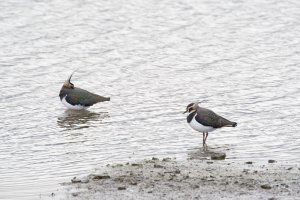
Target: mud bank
column 188, row 179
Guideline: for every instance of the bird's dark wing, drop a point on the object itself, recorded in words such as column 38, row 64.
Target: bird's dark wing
column 208, row 118
column 78, row 96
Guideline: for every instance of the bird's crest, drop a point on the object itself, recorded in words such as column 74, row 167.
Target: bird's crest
column 68, row 84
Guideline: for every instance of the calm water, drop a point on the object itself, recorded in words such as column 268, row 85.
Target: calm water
column 152, row 58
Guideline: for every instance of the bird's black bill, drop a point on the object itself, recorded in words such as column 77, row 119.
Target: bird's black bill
column 184, row 112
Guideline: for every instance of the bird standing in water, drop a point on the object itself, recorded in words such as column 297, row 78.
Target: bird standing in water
column 77, row 98
column 205, row 120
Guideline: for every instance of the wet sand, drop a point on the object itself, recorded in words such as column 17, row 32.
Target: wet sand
column 188, row 179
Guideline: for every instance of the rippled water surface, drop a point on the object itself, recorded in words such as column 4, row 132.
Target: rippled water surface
column 152, row 58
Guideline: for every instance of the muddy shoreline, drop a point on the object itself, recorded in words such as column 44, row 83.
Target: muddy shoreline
column 168, row 178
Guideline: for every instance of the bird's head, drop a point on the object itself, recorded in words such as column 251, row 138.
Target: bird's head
column 191, row 107
column 68, row 84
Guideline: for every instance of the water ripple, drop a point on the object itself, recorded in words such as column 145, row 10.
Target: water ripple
column 152, row 58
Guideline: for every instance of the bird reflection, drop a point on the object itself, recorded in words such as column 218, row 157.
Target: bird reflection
column 73, row 119
column 204, row 153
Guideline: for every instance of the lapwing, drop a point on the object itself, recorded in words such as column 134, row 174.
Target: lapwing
column 205, row 120
column 76, row 98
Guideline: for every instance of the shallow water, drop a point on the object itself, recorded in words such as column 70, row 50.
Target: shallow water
column 152, row 58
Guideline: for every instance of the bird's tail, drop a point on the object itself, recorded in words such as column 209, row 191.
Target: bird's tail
column 101, row 98
column 230, row 124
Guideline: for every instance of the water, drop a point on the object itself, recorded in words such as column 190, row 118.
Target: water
column 152, row 58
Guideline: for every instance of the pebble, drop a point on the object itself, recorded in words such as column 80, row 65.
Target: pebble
column 158, row 166
column 266, row 186
column 219, row 156
column 177, row 171
column 271, row 161
column 133, row 183
column 284, row 185
column 249, row 162
column 136, row 165
column 75, row 194
column 75, row 180
column 98, row 177
column 166, row 159
column 122, row 188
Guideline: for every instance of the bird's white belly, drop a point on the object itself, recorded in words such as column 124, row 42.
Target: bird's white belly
column 70, row 106
column 199, row 127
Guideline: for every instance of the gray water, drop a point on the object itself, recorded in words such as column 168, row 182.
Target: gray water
column 152, row 58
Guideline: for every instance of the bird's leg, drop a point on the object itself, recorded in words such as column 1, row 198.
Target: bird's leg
column 205, row 147
column 205, row 137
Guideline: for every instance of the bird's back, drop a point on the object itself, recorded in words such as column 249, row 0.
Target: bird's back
column 209, row 118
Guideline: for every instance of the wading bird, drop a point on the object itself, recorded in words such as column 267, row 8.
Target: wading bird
column 205, row 120
column 76, row 98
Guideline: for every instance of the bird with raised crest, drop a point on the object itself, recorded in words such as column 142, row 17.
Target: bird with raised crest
column 205, row 120
column 76, row 98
